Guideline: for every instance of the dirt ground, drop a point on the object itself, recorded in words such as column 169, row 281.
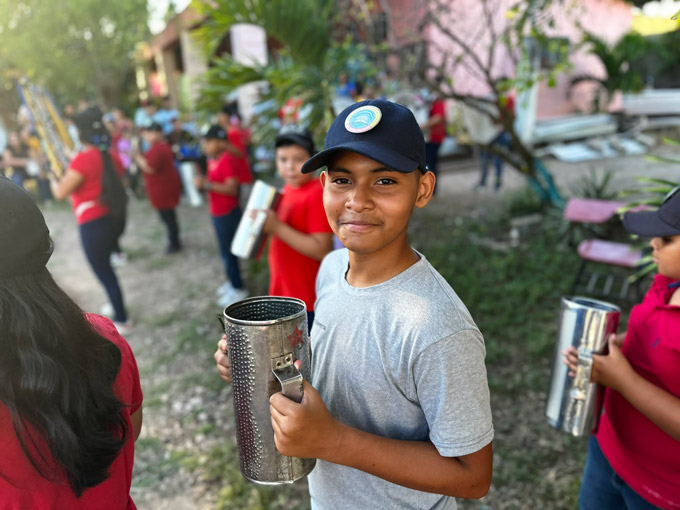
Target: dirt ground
column 188, row 439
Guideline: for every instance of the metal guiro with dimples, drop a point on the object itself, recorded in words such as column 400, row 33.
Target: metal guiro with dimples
column 574, row 403
column 265, row 336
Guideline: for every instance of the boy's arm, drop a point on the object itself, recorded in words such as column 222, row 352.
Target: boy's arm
column 308, row 430
column 228, row 187
column 315, row 246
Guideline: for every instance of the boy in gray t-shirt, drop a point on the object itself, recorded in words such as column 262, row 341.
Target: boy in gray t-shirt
column 397, row 411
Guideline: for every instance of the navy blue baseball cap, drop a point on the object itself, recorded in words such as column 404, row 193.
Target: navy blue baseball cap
column 663, row 222
column 378, row 129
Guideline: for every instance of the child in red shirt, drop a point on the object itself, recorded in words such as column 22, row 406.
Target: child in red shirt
column 634, row 458
column 300, row 234
column 222, row 185
column 163, row 185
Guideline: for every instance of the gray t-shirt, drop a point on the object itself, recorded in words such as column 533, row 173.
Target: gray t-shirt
column 403, row 360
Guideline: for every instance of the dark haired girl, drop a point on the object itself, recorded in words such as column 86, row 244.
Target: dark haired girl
column 70, row 398
column 99, row 229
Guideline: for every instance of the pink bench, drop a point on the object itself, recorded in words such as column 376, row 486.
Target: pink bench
column 608, row 252
column 595, row 212
column 589, row 210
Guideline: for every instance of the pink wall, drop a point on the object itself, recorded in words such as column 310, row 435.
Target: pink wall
column 609, row 19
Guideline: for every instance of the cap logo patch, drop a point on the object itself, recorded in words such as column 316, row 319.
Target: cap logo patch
column 363, row 119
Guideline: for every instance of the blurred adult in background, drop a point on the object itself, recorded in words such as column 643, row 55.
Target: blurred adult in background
column 16, row 158
column 163, row 186
column 70, row 396
column 165, row 115
column 238, row 138
column 98, row 199
column 435, row 131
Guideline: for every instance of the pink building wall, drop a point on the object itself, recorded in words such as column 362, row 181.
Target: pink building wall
column 609, row 19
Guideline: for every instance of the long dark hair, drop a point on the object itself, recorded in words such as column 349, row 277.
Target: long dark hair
column 56, row 379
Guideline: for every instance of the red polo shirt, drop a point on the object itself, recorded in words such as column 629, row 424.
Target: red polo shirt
column 21, row 487
column 85, row 199
column 224, row 167
column 163, row 186
column 291, row 273
column 643, row 455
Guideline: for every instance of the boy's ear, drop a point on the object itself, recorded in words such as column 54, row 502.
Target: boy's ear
column 323, row 178
column 426, row 184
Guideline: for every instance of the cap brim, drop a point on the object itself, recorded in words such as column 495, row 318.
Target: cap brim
column 648, row 224
column 370, row 150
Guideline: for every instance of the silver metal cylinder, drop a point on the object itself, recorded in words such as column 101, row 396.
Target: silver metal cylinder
column 249, row 240
column 265, row 336
column 574, row 403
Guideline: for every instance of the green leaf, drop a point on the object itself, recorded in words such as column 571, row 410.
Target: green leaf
column 662, row 159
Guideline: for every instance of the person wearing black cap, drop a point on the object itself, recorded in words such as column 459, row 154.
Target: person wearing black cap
column 99, row 200
column 634, row 458
column 162, row 182
column 222, row 183
column 301, row 236
column 397, row 412
column 70, row 396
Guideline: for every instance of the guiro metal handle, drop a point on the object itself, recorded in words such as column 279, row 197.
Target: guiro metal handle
column 289, row 378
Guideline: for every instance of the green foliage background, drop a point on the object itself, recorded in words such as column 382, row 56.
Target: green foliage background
column 78, row 49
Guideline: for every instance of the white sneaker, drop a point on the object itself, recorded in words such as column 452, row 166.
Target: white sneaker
column 232, row 297
column 123, row 327
column 118, row 259
column 106, row 310
column 225, row 288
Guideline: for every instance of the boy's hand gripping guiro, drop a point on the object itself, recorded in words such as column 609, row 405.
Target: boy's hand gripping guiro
column 608, row 369
column 222, row 359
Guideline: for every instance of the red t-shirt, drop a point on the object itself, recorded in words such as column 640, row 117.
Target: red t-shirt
column 438, row 131
column 643, row 455
column 237, row 137
column 85, row 199
column 220, row 169
column 21, row 487
column 163, row 186
column 291, row 273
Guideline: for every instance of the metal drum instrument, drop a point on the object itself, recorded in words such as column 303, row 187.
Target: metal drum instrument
column 265, row 336
column 574, row 403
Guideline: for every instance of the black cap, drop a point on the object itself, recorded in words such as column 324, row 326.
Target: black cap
column 378, row 129
column 154, row 126
column 296, row 134
column 24, row 236
column 215, row 132
column 665, row 221
column 90, row 124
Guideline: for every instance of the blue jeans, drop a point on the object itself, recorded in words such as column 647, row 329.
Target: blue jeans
column 225, row 228
column 502, row 140
column 603, row 489
column 98, row 240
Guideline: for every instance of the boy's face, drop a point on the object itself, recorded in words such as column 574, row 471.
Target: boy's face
column 214, row 146
column 150, row 137
column 289, row 161
column 666, row 254
column 368, row 205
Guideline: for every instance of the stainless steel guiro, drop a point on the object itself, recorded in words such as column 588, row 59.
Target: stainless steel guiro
column 265, row 336
column 574, row 404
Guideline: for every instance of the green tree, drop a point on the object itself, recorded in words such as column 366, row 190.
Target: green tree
column 535, row 56
column 617, row 60
column 77, row 48
column 306, row 65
